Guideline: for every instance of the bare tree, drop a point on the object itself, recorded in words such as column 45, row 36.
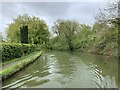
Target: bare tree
column 110, row 14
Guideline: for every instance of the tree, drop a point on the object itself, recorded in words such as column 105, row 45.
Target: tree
column 84, row 31
column 1, row 37
column 37, row 30
column 108, row 21
column 66, row 29
column 110, row 14
column 83, row 36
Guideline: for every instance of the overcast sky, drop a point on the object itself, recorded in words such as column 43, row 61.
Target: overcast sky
column 83, row 12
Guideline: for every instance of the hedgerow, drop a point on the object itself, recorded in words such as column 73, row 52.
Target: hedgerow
column 13, row 50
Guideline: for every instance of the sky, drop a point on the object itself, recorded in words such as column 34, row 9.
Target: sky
column 83, row 11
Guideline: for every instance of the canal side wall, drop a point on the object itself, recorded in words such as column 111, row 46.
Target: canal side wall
column 8, row 72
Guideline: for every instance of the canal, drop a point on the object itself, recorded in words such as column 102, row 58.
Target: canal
column 63, row 69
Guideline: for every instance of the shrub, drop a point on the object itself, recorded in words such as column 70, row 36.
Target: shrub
column 13, row 50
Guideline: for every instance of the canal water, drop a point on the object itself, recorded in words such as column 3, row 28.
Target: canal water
column 59, row 69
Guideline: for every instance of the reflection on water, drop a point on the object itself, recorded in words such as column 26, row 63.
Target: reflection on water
column 55, row 69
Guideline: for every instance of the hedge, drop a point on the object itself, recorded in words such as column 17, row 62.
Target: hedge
column 13, row 50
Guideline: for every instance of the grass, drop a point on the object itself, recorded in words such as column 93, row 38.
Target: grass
column 17, row 59
column 13, row 69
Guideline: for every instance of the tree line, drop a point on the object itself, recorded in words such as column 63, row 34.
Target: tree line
column 100, row 37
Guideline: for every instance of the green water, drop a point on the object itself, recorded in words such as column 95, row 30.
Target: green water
column 55, row 69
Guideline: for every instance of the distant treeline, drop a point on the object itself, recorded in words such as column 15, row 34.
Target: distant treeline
column 101, row 37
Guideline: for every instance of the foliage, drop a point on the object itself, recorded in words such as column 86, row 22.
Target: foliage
column 37, row 30
column 95, row 39
column 1, row 37
column 13, row 50
column 100, row 38
column 71, row 35
column 66, row 31
column 105, row 36
column 83, row 35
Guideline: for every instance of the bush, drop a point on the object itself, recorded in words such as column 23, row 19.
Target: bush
column 13, row 50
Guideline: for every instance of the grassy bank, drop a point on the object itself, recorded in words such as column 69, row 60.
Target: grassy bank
column 17, row 67
column 17, row 59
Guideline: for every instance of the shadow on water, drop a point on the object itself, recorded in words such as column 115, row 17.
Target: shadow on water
column 67, row 70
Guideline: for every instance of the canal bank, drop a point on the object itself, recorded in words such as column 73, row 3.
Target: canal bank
column 16, row 67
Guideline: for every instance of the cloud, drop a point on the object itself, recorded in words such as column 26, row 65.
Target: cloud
column 49, row 8
column 54, row 0
column 83, row 12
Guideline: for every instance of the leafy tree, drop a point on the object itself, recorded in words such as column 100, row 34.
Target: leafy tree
column 66, row 30
column 37, row 30
column 83, row 36
column 84, row 31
